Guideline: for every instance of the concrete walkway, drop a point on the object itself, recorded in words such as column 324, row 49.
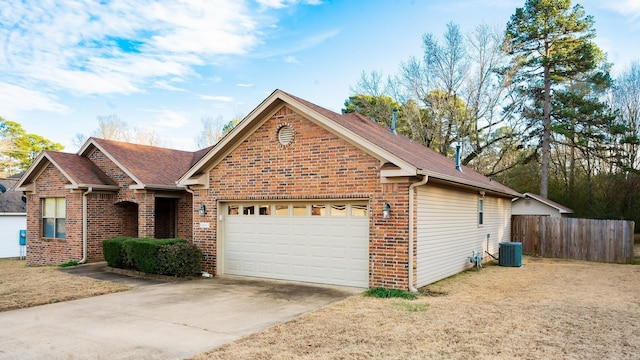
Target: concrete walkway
column 163, row 321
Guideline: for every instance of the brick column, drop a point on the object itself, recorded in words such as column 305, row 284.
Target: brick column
column 146, row 215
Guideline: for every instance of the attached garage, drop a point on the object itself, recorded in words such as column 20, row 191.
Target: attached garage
column 298, row 192
column 320, row 242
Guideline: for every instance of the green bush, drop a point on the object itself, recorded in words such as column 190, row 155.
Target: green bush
column 180, row 259
column 113, row 252
column 135, row 253
column 144, row 253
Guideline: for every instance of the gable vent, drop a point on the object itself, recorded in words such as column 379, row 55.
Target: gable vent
column 285, row 134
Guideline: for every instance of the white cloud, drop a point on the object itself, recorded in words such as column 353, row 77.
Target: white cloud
column 278, row 4
column 628, row 8
column 14, row 99
column 291, row 60
column 166, row 85
column 247, row 85
column 118, row 46
column 170, row 119
column 216, row 98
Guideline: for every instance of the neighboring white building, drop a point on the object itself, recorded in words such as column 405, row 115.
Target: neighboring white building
column 532, row 204
column 13, row 218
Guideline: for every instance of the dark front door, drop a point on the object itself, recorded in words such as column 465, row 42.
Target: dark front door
column 165, row 218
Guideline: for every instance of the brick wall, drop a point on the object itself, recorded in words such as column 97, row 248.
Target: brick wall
column 49, row 251
column 109, row 214
column 317, row 165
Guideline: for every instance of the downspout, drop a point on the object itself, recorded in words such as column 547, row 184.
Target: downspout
column 84, row 225
column 424, row 180
column 190, row 191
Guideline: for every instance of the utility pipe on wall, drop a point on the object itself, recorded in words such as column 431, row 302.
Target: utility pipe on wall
column 424, row 180
column 84, row 225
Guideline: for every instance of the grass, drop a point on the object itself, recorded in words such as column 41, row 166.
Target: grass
column 546, row 309
column 22, row 286
column 68, row 264
column 410, row 306
column 384, row 293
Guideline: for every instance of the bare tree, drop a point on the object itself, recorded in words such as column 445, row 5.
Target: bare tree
column 214, row 130
column 111, row 127
column 626, row 99
column 211, row 132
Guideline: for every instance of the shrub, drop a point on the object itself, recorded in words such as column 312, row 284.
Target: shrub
column 113, row 251
column 144, row 253
column 180, row 259
column 135, row 253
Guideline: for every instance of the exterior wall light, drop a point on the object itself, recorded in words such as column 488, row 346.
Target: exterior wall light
column 203, row 210
column 386, row 211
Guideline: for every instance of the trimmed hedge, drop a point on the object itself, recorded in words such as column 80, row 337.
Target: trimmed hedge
column 181, row 259
column 155, row 256
column 112, row 250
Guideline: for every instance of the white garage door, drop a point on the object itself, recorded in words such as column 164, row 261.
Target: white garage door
column 320, row 242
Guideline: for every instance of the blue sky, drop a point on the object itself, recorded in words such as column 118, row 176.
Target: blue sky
column 166, row 64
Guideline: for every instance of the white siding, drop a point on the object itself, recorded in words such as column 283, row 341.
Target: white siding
column 11, row 224
column 448, row 232
column 533, row 207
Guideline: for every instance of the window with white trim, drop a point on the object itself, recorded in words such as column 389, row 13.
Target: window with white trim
column 480, row 211
column 54, row 218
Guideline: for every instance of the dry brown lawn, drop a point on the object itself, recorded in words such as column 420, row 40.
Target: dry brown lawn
column 547, row 309
column 22, row 286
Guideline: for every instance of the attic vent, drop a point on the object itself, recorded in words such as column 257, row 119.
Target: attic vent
column 285, row 134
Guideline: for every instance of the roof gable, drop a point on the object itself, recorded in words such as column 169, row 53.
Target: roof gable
column 409, row 158
column 78, row 170
column 539, row 198
column 148, row 166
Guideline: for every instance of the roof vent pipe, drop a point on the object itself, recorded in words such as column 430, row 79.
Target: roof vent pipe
column 458, row 157
column 393, row 121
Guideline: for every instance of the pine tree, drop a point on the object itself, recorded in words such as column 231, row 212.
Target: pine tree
column 551, row 43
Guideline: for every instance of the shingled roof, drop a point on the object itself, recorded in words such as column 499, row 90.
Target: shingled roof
column 10, row 200
column 400, row 151
column 79, row 170
column 423, row 158
column 149, row 166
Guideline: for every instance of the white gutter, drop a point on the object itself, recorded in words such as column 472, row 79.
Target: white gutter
column 84, row 225
column 411, row 201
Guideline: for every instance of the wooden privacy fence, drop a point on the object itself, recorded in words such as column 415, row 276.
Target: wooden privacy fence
column 581, row 239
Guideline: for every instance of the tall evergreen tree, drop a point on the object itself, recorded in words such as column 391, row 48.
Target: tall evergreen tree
column 551, row 42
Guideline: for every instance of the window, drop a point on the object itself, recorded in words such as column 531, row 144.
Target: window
column 338, row 210
column 233, row 210
column 54, row 213
column 480, row 211
column 299, row 210
column 264, row 210
column 282, row 210
column 249, row 210
column 318, row 210
column 359, row 210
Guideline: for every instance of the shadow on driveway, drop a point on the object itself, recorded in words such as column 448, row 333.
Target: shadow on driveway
column 101, row 271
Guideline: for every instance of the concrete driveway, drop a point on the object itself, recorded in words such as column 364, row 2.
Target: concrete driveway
column 163, row 321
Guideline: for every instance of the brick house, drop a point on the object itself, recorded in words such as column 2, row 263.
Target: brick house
column 107, row 189
column 294, row 192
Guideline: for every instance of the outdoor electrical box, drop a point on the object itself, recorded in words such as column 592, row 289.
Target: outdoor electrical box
column 23, row 237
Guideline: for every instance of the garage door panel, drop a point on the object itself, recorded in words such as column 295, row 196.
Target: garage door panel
column 322, row 249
